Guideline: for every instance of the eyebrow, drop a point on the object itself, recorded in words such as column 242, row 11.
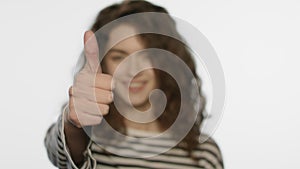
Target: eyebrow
column 117, row 50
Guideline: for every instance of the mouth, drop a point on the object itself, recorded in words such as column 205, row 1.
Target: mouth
column 137, row 86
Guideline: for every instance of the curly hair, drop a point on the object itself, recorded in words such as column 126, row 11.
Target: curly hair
column 167, row 84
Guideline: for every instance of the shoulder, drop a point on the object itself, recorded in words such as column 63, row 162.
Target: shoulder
column 208, row 152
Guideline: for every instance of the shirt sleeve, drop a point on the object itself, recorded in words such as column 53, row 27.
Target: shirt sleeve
column 209, row 154
column 57, row 150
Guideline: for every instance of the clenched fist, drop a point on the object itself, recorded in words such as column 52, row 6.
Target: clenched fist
column 91, row 92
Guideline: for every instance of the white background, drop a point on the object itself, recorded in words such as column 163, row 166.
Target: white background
column 257, row 42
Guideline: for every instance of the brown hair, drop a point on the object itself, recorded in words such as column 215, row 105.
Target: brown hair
column 166, row 83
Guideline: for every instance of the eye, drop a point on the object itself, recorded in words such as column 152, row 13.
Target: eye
column 117, row 58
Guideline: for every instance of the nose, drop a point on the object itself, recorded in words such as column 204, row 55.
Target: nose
column 133, row 66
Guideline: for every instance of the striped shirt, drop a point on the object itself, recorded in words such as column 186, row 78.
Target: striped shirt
column 131, row 153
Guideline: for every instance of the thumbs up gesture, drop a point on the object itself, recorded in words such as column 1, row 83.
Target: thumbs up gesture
column 91, row 93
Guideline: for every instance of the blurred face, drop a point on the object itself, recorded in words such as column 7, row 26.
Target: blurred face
column 118, row 60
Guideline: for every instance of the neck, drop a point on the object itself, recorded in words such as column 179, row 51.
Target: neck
column 152, row 126
column 140, row 113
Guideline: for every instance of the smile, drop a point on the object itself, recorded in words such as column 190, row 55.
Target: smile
column 136, row 86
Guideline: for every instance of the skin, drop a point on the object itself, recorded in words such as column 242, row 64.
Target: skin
column 142, row 82
column 92, row 91
column 145, row 79
column 83, row 105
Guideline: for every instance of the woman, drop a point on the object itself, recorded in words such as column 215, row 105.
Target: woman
column 79, row 140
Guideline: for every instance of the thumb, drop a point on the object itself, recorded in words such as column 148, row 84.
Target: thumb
column 91, row 52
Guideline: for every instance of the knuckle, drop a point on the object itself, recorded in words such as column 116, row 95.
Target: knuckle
column 109, row 77
column 74, row 120
column 104, row 81
column 105, row 109
column 72, row 116
column 109, row 97
column 109, row 82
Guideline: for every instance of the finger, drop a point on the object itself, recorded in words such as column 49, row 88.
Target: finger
column 89, row 120
column 102, row 81
column 94, row 94
column 91, row 52
column 82, row 119
column 85, row 106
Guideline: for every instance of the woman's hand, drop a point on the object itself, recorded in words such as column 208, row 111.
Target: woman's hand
column 91, row 94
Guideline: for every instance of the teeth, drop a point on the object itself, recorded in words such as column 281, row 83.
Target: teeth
column 136, row 84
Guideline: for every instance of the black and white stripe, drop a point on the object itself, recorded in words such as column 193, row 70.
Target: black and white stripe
column 206, row 156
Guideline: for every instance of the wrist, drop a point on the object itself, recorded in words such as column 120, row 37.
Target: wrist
column 67, row 122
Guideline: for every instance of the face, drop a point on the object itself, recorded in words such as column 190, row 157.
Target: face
column 122, row 60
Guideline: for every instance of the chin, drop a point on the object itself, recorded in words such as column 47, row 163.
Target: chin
column 140, row 104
